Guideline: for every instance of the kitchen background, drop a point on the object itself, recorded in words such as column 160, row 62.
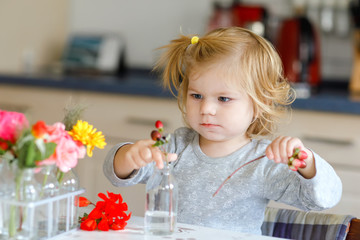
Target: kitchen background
column 47, row 57
column 34, row 33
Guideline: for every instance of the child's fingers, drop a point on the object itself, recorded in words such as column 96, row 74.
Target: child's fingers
column 140, row 154
column 269, row 153
column 157, row 157
column 146, row 154
column 274, row 150
column 292, row 144
column 133, row 157
column 282, row 148
column 143, row 153
column 283, row 154
column 171, row 157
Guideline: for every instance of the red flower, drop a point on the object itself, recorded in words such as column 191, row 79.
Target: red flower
column 108, row 214
column 103, row 224
column 118, row 226
column 82, row 202
column 88, row 224
column 96, row 213
column 3, row 145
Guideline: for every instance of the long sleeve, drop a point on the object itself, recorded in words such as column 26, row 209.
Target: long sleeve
column 178, row 141
column 139, row 176
column 318, row 193
column 241, row 203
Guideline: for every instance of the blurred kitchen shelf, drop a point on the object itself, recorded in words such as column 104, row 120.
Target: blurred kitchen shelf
column 331, row 96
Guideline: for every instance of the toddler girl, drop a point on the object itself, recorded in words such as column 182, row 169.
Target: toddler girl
column 231, row 91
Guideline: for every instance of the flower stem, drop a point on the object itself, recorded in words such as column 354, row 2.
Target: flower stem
column 232, row 174
column 43, row 185
column 60, row 176
column 12, row 220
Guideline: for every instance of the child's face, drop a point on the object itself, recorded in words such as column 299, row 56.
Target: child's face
column 217, row 111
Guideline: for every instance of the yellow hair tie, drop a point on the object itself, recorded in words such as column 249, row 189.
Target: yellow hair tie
column 194, row 40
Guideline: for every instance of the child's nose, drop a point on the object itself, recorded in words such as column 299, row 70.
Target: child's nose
column 207, row 107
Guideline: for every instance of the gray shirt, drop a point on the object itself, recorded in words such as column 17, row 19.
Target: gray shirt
column 241, row 203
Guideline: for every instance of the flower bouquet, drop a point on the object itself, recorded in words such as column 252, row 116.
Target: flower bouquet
column 25, row 151
column 107, row 214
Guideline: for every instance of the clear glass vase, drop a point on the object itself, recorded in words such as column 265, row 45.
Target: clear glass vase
column 22, row 217
column 48, row 214
column 7, row 192
column 161, row 202
column 50, row 186
column 7, row 178
column 68, row 212
column 69, row 181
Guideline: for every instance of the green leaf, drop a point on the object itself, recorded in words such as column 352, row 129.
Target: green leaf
column 26, row 154
column 45, row 151
column 49, row 149
column 158, row 143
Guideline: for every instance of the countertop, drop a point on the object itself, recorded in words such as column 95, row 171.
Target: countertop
column 135, row 231
column 329, row 97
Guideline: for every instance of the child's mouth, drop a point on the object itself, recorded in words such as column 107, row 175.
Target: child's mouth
column 208, row 125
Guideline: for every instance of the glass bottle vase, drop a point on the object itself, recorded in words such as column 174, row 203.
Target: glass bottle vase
column 161, row 202
column 48, row 214
column 22, row 217
column 50, row 186
column 7, row 192
column 68, row 212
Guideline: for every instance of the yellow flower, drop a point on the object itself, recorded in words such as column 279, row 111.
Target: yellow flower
column 84, row 132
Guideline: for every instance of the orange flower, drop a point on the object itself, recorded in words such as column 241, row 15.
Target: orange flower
column 39, row 129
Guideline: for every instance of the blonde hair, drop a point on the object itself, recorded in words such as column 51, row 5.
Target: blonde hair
column 255, row 67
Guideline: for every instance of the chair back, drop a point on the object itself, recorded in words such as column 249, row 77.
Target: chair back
column 301, row 225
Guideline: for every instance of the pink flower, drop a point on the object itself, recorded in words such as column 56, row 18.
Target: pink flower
column 11, row 125
column 67, row 151
column 56, row 132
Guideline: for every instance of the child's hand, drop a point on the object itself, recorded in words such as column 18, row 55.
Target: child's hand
column 142, row 153
column 282, row 148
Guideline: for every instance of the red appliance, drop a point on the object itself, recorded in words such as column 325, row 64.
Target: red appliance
column 298, row 47
column 236, row 14
column 246, row 15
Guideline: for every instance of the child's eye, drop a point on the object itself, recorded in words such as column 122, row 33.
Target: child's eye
column 196, row 96
column 224, row 99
